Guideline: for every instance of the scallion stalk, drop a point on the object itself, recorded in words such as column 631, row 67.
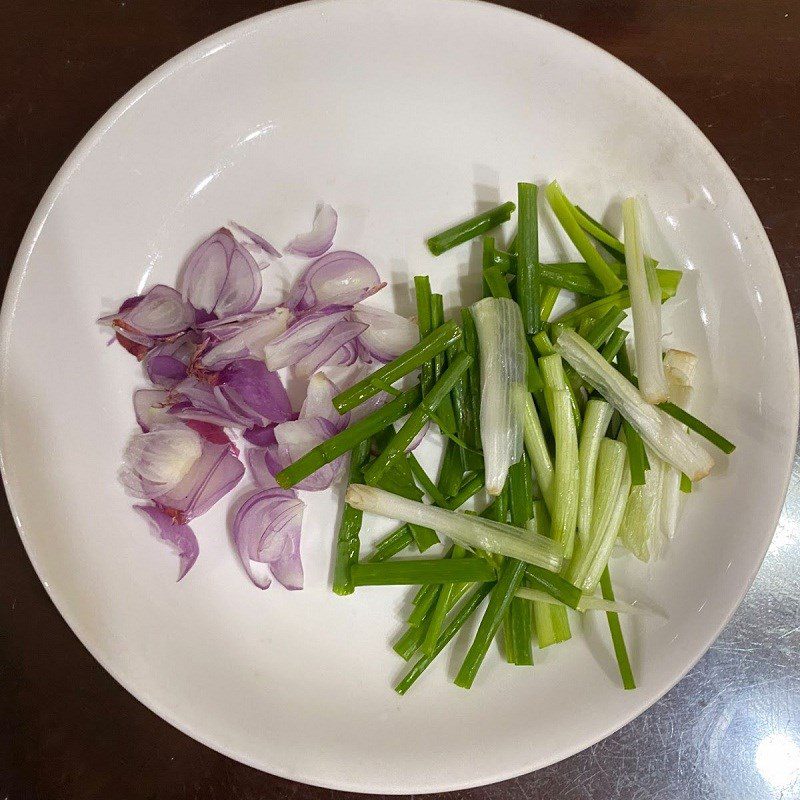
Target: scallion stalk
column 535, row 443
column 421, row 571
column 595, row 423
column 417, row 419
column 611, row 493
column 345, row 441
column 528, row 284
column 468, row 530
column 586, row 603
column 565, row 490
column 462, row 615
column 508, row 582
column 618, row 640
column 469, row 229
column 503, row 367
column 563, row 211
column 348, row 542
column 433, row 344
column 392, row 544
column 422, row 291
column 646, row 309
column 660, row 432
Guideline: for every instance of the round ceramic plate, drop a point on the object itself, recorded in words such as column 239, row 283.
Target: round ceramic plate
column 404, row 116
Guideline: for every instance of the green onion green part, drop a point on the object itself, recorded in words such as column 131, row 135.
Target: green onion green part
column 469, row 229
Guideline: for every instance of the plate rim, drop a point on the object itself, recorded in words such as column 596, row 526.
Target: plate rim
column 188, row 57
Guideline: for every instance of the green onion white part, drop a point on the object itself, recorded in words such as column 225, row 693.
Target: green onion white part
column 665, row 436
column 680, row 368
column 588, row 603
column 465, row 529
column 501, row 340
column 595, row 422
column 641, row 525
column 564, row 514
column 613, row 485
column 645, row 295
column 535, row 443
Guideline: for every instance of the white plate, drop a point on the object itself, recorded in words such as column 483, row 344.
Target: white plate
column 404, row 116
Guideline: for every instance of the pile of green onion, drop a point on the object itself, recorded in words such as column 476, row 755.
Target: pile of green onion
column 547, row 417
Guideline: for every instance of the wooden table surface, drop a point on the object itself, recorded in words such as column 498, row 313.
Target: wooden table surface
column 67, row 730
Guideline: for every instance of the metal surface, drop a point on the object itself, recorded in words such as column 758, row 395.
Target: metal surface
column 729, row 730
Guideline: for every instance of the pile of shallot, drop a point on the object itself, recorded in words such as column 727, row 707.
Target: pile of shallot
column 213, row 358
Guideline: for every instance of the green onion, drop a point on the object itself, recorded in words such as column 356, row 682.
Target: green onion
column 646, row 309
column 469, row 229
column 595, row 424
column 620, row 651
column 694, row 424
column 500, row 599
column 467, row 530
column 474, row 377
column 426, row 599
column 436, row 342
column 445, row 416
column 497, row 283
column 555, row 377
column 517, row 623
column 392, row 544
column 455, row 625
column 603, row 235
column 417, row 419
column 563, row 211
column 468, row 489
column 452, row 470
column 441, row 608
column 604, row 327
column 399, row 480
column 412, row 639
column 503, row 366
column 641, row 524
column 661, row 433
column 424, row 481
column 459, row 394
column 345, row 441
column 535, row 443
column 421, row 571
column 614, row 344
column 348, row 543
column 549, row 297
column 552, row 624
column 566, row 475
column 611, row 493
column 637, row 456
column 587, row 603
column 621, row 300
column 528, row 285
column 552, row 584
column 541, row 341
column 422, row 290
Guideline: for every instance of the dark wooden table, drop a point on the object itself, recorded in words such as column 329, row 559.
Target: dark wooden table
column 69, row 731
